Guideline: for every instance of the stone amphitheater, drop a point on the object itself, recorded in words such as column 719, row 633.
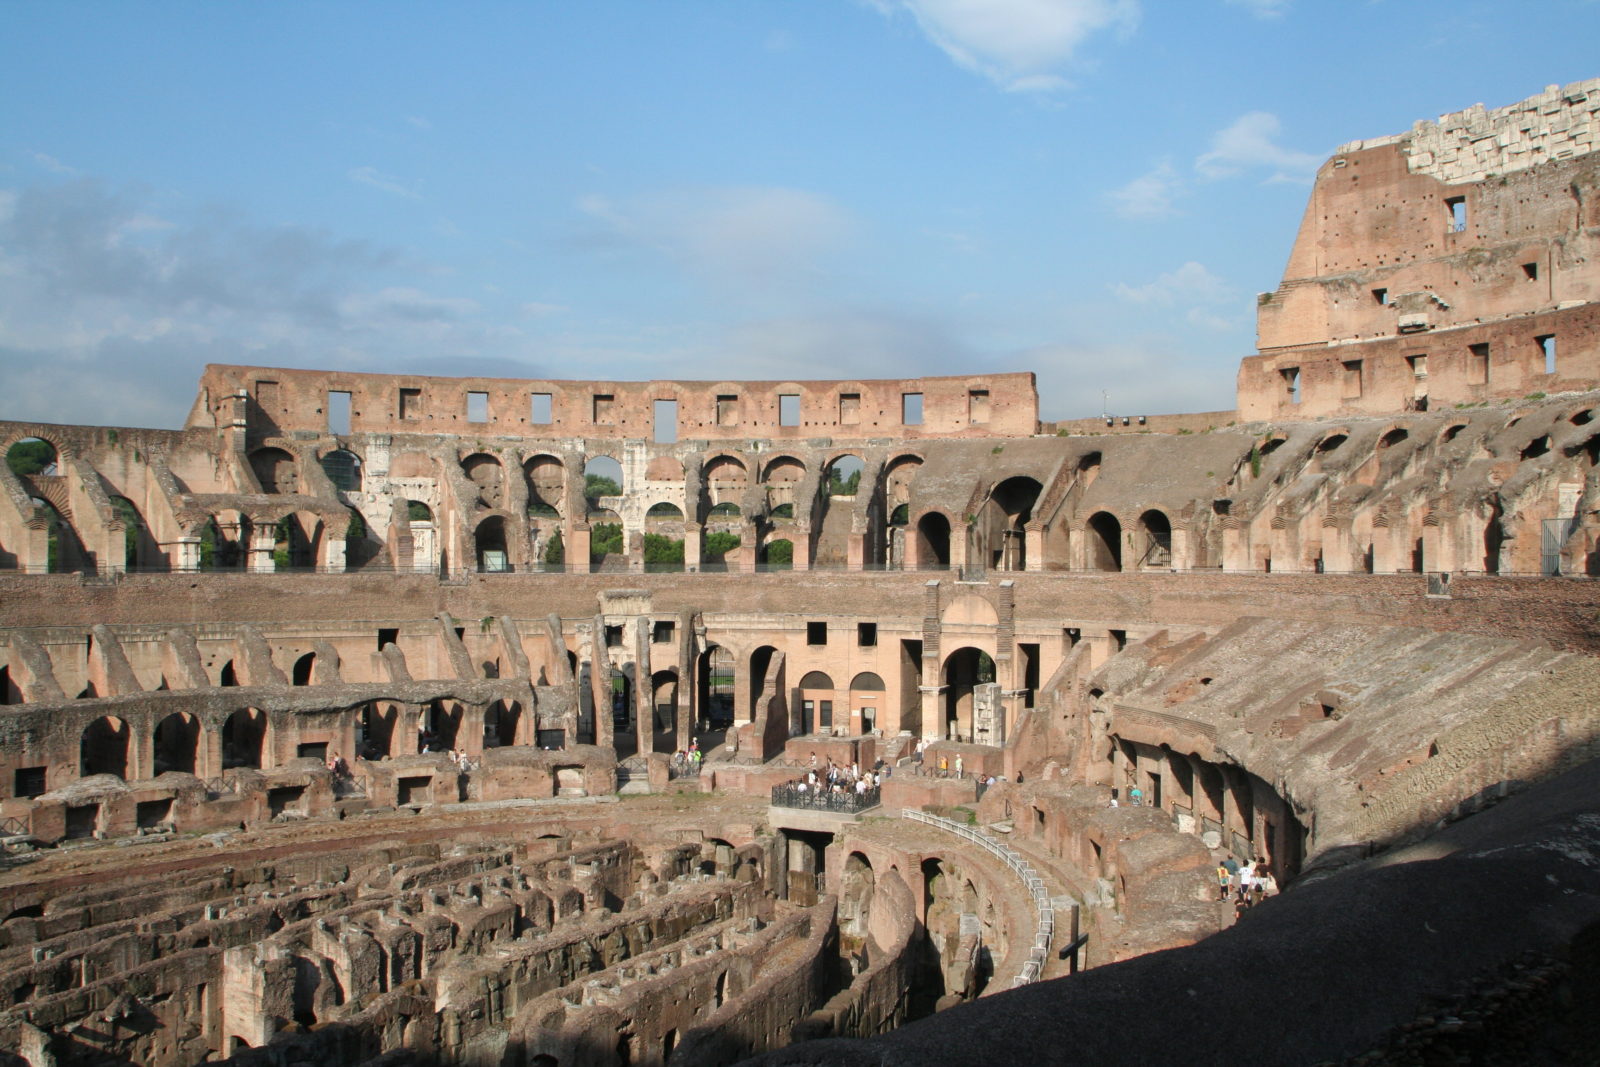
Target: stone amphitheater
column 395, row 720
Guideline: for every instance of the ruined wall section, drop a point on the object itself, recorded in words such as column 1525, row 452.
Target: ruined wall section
column 282, row 402
column 1452, row 264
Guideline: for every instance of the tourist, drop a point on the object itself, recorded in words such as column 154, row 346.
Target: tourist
column 944, row 766
column 958, row 765
column 1136, row 797
column 1224, row 877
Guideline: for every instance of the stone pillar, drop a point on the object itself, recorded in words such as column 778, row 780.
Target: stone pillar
column 188, row 551
column 330, row 553
column 692, row 537
column 1033, row 547
column 600, row 685
column 469, row 735
column 958, row 544
column 802, row 548
column 855, row 551
column 208, row 753
column 262, row 537
column 932, row 712
column 577, row 548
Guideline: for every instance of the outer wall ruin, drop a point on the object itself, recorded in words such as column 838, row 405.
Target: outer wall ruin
column 351, row 721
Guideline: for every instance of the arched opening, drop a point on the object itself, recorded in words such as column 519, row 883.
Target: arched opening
column 781, row 476
column 1155, row 536
column 275, row 470
column 244, row 735
column 176, row 744
column 623, row 724
column 856, row 887
column 812, row 711
column 375, row 732
column 1392, row 438
column 298, row 542
column 760, row 665
column 867, row 701
column 485, row 473
column 602, row 482
column 343, row 469
column 844, row 476
column 777, row 555
column 359, row 547
column 139, row 549
column 303, row 667
column 662, row 543
column 31, row 456
column 103, row 748
column 229, row 676
column 438, row 726
column 726, row 478
column 964, row 671
column 933, row 542
column 996, row 538
column 489, row 543
column 1103, row 542
column 547, row 486
column 714, row 674
column 664, row 512
column 500, row 723
column 664, row 701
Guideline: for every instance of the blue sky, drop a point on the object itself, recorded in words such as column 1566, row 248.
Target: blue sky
column 1091, row 189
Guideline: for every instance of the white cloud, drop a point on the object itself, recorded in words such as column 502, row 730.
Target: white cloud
column 1149, row 196
column 1250, row 143
column 387, row 182
column 535, row 309
column 1263, row 9
column 418, row 122
column 51, row 163
column 110, row 311
column 754, row 237
column 1189, row 285
column 1020, row 45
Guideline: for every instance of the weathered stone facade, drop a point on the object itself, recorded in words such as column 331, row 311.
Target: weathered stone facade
column 365, row 674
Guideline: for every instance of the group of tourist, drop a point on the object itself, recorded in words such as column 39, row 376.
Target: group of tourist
column 687, row 759
column 840, row 779
column 1246, row 883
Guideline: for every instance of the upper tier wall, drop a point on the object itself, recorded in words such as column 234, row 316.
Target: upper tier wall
column 279, row 401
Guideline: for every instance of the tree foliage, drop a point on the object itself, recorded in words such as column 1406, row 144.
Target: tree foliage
column 598, row 485
column 662, row 552
column 555, row 550
column 719, row 543
column 838, row 486
column 605, row 538
column 30, row 456
column 779, row 554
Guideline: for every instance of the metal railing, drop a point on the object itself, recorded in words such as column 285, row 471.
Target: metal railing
column 1044, row 931
column 799, row 795
column 10, row 827
column 688, row 768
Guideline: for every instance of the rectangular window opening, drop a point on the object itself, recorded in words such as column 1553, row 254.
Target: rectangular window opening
column 661, row 632
column 849, row 409
column 613, row 636
column 29, row 782
column 411, row 403
column 977, row 406
column 1352, row 379
column 911, row 409
column 1418, row 365
column 477, row 407
column 1478, row 365
column 387, row 637
column 1457, row 206
column 1073, row 636
column 1547, row 348
column 338, row 412
column 1531, row 271
column 867, row 634
column 788, row 409
column 1291, row 383
column 1119, row 640
column 602, row 408
column 1381, row 296
column 727, row 409
column 540, row 409
column 816, row 633
column 666, row 422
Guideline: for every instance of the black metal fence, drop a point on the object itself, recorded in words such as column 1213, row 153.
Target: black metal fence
column 820, row 798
